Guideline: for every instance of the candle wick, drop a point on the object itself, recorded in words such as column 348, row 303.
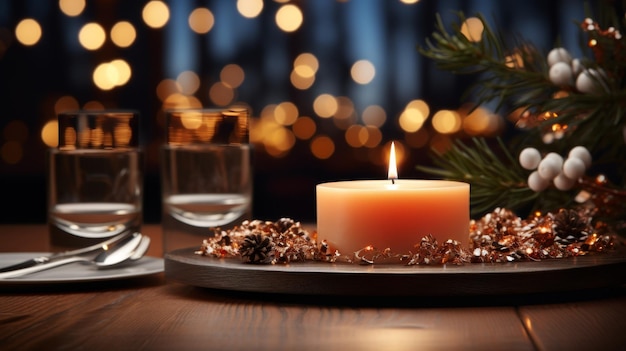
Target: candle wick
column 393, row 181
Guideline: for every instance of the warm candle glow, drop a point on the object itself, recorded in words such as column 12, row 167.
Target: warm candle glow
column 393, row 169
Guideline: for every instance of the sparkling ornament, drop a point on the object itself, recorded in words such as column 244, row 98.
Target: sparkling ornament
column 550, row 166
column 591, row 81
column 581, row 153
column 529, row 158
column 559, row 55
column 564, row 183
column 537, row 183
column 561, row 74
column 499, row 236
column 574, row 168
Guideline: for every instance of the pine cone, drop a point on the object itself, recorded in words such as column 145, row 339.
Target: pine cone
column 257, row 248
column 284, row 224
column 570, row 227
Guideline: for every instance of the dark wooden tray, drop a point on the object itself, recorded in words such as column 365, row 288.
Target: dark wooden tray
column 344, row 279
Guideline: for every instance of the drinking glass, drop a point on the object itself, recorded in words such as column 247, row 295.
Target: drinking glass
column 206, row 174
column 95, row 178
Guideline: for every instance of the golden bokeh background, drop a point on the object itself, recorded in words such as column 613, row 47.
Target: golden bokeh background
column 329, row 84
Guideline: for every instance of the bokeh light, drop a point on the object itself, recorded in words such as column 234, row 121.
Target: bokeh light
column 232, row 75
column 322, row 147
column 481, row 121
column 28, row 32
column 286, row 113
column 304, row 128
column 156, row 14
column 514, row 61
column 188, row 82
column 325, row 105
column 109, row 75
column 413, row 116
column 64, row 104
column 374, row 137
column 250, row 8
column 191, row 119
column 50, row 133
column 92, row 36
column 167, row 87
column 72, row 8
column 345, row 109
column 93, row 106
column 123, row 34
column 374, row 115
column 411, row 120
column 446, row 121
column 356, row 135
column 472, row 28
column 221, row 94
column 363, row 71
column 201, row 20
column 105, row 76
column 306, row 65
column 300, row 82
column 124, row 71
column 178, row 100
column 289, row 18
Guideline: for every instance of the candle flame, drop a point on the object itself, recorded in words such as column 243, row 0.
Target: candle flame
column 393, row 170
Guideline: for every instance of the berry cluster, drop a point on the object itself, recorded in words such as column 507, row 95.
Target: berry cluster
column 570, row 73
column 552, row 168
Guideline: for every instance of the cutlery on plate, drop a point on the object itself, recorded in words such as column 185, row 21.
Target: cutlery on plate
column 130, row 248
column 44, row 259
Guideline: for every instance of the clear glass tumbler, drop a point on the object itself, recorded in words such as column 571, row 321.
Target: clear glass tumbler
column 206, row 174
column 95, row 178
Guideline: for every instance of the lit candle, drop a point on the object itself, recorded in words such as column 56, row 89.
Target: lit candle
column 394, row 213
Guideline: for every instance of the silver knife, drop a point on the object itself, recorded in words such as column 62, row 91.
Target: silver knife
column 43, row 259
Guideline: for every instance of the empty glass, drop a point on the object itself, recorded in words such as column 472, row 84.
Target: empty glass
column 95, row 178
column 206, row 174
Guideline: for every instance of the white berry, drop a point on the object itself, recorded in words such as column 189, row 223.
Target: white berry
column 577, row 66
column 573, row 168
column 582, row 153
column 561, row 74
column 563, row 183
column 529, row 158
column 550, row 166
column 536, row 182
column 559, row 55
column 590, row 81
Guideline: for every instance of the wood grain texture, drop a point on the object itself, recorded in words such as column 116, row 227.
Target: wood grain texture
column 585, row 325
column 180, row 317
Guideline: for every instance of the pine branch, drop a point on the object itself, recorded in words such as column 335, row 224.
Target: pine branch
column 504, row 74
column 494, row 182
column 514, row 74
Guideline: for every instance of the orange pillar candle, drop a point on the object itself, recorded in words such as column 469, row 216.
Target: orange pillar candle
column 392, row 214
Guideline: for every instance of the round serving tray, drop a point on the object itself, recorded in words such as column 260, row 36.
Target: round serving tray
column 345, row 279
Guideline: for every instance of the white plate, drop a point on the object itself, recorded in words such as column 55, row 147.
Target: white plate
column 77, row 272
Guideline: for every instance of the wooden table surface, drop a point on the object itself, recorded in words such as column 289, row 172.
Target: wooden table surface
column 150, row 313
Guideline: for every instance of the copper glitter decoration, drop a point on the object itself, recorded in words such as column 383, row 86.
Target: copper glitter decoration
column 499, row 236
